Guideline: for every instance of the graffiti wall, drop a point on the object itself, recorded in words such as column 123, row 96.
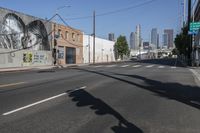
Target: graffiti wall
column 23, row 33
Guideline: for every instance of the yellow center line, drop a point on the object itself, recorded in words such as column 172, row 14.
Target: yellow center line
column 12, row 84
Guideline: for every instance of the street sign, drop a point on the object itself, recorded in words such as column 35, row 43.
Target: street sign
column 193, row 32
column 194, row 26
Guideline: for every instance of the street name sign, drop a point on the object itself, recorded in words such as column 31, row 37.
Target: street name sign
column 194, row 26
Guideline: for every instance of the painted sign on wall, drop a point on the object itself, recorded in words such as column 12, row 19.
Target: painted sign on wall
column 27, row 57
column 39, row 58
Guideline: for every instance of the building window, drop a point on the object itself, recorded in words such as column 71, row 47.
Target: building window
column 73, row 36
column 78, row 37
column 66, row 34
column 59, row 33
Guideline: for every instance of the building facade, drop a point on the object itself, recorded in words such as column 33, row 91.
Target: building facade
column 155, row 37
column 30, row 41
column 69, row 44
column 165, row 41
column 132, row 41
column 111, row 37
column 104, row 50
column 24, row 40
column 170, row 34
column 138, row 38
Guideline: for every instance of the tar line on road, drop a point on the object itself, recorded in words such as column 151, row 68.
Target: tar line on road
column 42, row 101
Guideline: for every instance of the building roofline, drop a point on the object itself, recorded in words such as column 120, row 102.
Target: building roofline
column 13, row 11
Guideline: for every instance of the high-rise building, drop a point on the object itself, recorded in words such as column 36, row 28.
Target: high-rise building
column 138, row 37
column 158, row 41
column 170, row 38
column 165, row 40
column 155, row 37
column 132, row 40
column 111, row 36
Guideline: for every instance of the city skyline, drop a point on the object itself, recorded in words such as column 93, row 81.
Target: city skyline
column 77, row 9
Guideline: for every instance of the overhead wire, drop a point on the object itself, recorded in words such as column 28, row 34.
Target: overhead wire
column 114, row 11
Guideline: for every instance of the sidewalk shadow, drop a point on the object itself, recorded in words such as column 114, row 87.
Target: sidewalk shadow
column 83, row 98
column 189, row 95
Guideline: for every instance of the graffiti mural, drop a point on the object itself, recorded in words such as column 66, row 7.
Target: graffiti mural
column 16, row 35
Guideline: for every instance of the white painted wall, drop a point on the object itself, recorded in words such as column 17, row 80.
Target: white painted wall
column 104, row 49
column 16, row 59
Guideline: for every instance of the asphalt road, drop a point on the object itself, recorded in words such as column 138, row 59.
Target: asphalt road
column 151, row 96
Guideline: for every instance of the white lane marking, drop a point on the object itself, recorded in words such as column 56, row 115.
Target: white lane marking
column 111, row 65
column 137, row 66
column 125, row 65
column 12, row 84
column 39, row 102
column 161, row 66
column 98, row 66
column 173, row 67
column 195, row 102
column 149, row 66
column 196, row 74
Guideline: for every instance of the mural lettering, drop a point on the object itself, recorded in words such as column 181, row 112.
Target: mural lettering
column 39, row 58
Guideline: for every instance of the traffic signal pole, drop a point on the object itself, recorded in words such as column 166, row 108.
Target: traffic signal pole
column 190, row 36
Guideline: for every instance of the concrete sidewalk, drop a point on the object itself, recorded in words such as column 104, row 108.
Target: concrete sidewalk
column 13, row 69
column 32, row 68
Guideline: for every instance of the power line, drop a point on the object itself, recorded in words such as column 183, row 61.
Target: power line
column 114, row 11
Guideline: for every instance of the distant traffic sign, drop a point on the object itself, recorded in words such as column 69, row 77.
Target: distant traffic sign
column 194, row 26
column 193, row 32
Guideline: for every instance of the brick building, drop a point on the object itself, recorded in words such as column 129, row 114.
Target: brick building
column 69, row 44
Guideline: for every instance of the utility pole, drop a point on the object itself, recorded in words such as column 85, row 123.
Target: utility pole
column 94, row 37
column 190, row 37
column 89, row 48
column 184, row 13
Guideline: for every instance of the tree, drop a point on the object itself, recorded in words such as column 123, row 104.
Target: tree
column 182, row 42
column 121, row 47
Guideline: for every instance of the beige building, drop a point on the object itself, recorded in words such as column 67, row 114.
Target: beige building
column 69, row 44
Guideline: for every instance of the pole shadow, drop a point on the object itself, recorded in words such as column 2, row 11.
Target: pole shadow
column 83, row 98
column 189, row 95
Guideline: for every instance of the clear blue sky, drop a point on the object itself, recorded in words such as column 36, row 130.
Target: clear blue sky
column 159, row 14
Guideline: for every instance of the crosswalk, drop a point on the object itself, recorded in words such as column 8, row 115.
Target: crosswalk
column 137, row 66
column 134, row 66
column 149, row 66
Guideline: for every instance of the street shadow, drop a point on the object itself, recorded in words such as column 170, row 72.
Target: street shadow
column 186, row 94
column 166, row 62
column 189, row 95
column 83, row 98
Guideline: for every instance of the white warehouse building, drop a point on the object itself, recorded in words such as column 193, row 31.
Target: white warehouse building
column 104, row 50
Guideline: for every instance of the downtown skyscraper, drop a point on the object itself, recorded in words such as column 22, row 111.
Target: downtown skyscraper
column 111, row 37
column 132, row 44
column 155, row 37
column 138, row 38
column 135, row 38
column 170, row 37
